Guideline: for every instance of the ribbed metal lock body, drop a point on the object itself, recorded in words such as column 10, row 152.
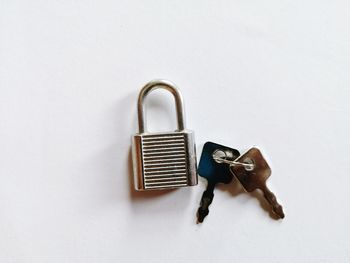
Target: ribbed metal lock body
column 163, row 160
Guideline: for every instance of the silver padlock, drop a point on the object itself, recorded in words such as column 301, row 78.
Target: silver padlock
column 163, row 160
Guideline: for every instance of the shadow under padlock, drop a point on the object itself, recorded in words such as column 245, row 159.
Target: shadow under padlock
column 163, row 160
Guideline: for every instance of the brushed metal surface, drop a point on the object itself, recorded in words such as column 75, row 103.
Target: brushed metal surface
column 165, row 160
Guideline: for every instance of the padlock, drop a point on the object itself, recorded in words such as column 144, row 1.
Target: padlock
column 163, row 160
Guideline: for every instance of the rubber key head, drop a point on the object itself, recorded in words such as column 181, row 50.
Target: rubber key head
column 212, row 170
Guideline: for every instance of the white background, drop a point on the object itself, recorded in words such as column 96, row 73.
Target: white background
column 268, row 73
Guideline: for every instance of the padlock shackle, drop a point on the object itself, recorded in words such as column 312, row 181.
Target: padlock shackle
column 164, row 84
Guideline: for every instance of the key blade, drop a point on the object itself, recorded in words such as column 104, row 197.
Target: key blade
column 206, row 200
column 271, row 198
column 252, row 179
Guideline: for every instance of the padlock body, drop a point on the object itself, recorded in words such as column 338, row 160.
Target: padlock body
column 164, row 160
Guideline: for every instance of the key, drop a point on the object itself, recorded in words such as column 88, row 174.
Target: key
column 252, row 171
column 214, row 172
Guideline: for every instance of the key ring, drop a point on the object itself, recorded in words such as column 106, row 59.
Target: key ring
column 220, row 157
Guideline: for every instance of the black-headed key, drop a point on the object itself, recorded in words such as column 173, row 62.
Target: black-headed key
column 255, row 176
column 215, row 172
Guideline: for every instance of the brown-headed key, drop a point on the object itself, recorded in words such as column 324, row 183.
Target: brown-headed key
column 254, row 176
